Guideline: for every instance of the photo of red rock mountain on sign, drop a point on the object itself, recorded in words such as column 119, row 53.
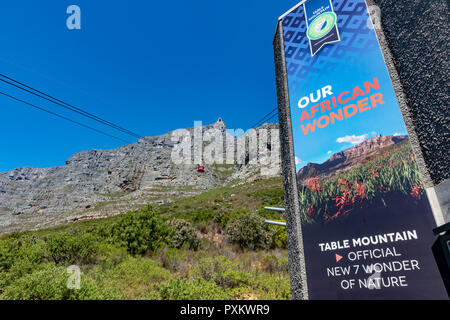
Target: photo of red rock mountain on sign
column 378, row 172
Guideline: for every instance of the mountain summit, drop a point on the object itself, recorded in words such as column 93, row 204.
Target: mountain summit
column 349, row 158
column 98, row 183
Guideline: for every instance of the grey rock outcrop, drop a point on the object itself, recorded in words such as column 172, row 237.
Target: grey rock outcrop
column 107, row 182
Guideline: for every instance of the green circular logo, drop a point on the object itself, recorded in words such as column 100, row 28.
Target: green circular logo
column 321, row 25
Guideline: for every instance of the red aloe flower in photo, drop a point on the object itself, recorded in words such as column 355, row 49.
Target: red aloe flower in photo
column 345, row 185
column 413, row 157
column 360, row 190
column 313, row 184
column 311, row 212
column 415, row 191
column 391, row 164
column 341, row 202
column 373, row 173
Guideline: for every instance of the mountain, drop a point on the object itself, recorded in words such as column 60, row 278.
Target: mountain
column 349, row 158
column 99, row 183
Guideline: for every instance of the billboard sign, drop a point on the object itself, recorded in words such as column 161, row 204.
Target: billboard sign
column 366, row 221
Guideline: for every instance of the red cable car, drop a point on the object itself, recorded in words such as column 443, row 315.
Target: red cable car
column 200, row 168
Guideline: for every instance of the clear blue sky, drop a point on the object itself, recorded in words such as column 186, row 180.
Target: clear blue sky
column 149, row 66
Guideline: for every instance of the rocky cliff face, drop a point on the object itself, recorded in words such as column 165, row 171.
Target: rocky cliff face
column 97, row 183
column 349, row 158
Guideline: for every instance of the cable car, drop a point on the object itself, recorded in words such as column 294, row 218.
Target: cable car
column 200, row 168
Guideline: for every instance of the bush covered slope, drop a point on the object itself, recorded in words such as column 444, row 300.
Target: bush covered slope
column 210, row 246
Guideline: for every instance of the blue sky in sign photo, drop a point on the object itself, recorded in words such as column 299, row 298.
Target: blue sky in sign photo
column 341, row 65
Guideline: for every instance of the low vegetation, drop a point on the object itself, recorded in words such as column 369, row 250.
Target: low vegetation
column 211, row 246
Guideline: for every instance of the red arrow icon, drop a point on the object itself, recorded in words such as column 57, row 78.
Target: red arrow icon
column 338, row 257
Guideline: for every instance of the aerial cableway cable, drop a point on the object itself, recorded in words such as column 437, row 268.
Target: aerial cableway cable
column 62, row 117
column 65, row 105
column 266, row 118
column 276, row 114
column 84, row 113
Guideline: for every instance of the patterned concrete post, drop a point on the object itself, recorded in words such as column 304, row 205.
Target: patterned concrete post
column 414, row 38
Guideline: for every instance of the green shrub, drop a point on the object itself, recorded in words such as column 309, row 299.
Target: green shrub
column 220, row 270
column 270, row 197
column 76, row 248
column 138, row 232
column 174, row 260
column 27, row 248
column 20, row 256
column 205, row 227
column 279, row 237
column 272, row 264
column 108, row 256
column 250, row 232
column 49, row 282
column 135, row 277
column 219, row 215
column 6, row 256
column 20, row 268
column 183, row 234
column 203, row 214
column 272, row 286
column 224, row 216
column 185, row 289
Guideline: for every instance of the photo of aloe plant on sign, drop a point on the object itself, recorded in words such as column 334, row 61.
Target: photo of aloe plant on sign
column 389, row 175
